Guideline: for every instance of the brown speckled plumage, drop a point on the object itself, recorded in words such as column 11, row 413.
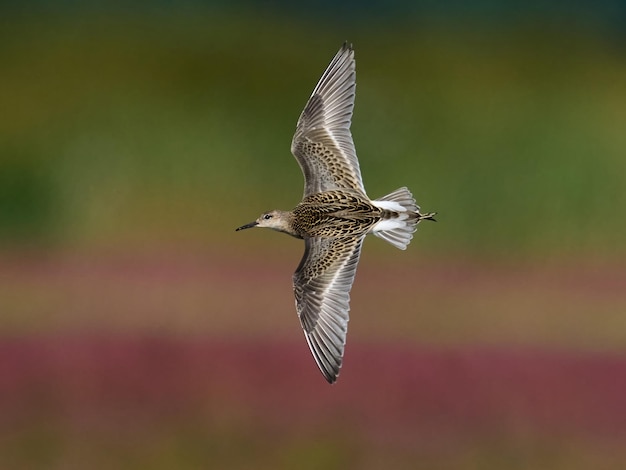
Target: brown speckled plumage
column 335, row 214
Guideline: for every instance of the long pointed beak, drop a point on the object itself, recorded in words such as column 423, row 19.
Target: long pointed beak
column 250, row 225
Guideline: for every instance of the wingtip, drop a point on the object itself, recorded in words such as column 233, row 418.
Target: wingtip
column 330, row 375
column 329, row 370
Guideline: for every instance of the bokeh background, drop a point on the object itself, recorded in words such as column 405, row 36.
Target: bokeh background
column 137, row 330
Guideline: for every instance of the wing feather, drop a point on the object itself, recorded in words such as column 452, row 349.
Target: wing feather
column 322, row 286
column 322, row 143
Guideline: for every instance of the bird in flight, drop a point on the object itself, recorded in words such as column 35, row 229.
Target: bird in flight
column 335, row 214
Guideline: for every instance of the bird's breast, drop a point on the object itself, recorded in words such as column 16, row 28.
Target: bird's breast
column 335, row 219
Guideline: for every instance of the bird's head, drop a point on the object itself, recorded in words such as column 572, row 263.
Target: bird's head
column 277, row 220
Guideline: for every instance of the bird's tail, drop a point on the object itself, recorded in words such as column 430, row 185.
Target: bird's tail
column 402, row 214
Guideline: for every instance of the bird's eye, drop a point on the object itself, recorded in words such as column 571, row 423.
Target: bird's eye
column 267, row 216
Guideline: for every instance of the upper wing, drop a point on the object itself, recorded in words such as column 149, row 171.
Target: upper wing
column 322, row 286
column 322, row 143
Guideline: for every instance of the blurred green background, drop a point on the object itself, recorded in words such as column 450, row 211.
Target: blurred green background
column 174, row 124
column 134, row 138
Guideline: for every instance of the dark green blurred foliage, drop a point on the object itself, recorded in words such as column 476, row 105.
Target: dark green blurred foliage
column 27, row 203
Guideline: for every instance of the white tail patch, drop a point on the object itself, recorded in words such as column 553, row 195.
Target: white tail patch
column 399, row 230
column 389, row 205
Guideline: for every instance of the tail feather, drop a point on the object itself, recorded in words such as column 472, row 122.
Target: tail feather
column 404, row 216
